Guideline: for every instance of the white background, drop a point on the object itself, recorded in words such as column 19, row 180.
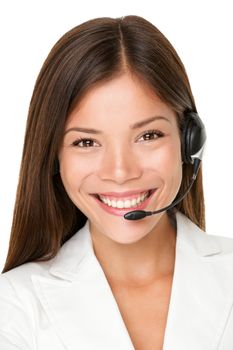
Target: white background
column 201, row 32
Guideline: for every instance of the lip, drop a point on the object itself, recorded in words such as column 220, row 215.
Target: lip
column 127, row 194
column 121, row 212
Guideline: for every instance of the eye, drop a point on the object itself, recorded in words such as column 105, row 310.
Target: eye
column 151, row 135
column 84, row 143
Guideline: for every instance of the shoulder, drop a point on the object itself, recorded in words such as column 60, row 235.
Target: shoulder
column 20, row 308
column 224, row 242
column 68, row 256
column 24, row 323
column 204, row 243
column 21, row 276
column 23, row 318
column 17, row 283
column 18, row 280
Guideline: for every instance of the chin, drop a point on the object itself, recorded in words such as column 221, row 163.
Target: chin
column 129, row 232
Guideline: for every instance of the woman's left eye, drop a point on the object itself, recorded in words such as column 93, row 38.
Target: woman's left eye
column 151, row 135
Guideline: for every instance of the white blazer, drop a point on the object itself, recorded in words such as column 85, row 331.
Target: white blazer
column 67, row 303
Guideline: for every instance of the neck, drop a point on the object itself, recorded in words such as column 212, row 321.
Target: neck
column 142, row 262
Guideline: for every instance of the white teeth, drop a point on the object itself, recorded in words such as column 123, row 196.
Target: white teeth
column 134, row 201
column 127, row 203
column 120, row 204
column 124, row 204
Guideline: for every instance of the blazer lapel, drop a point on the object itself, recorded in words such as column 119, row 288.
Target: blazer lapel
column 202, row 290
column 79, row 302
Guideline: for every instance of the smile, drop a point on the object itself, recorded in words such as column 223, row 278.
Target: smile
column 119, row 206
column 124, row 203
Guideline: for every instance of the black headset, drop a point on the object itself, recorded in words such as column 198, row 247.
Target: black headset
column 193, row 138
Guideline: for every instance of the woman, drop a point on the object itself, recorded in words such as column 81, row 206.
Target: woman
column 112, row 128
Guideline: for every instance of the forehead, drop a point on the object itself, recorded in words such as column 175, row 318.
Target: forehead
column 125, row 99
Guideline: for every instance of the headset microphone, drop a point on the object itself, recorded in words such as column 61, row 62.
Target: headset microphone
column 193, row 144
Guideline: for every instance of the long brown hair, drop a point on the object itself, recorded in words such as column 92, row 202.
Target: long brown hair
column 93, row 52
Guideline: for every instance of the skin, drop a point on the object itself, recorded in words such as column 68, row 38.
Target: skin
column 133, row 253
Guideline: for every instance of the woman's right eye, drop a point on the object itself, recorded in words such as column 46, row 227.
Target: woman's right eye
column 84, row 143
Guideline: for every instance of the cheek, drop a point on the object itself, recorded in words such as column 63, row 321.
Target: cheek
column 165, row 159
column 74, row 170
column 171, row 166
column 165, row 164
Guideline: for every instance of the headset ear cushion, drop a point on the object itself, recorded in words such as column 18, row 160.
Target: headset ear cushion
column 193, row 137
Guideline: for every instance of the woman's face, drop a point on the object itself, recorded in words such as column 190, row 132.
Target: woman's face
column 121, row 138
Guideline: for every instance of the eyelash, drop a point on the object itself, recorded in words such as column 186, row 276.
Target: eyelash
column 148, row 132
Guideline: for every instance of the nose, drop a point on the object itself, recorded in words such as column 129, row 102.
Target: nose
column 120, row 165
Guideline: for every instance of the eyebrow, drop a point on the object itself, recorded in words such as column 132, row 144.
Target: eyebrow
column 132, row 126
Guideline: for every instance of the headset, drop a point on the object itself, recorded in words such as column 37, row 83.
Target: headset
column 192, row 147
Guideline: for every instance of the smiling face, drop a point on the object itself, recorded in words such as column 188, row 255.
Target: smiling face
column 130, row 146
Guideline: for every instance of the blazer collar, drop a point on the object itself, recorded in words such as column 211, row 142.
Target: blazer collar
column 73, row 253
column 82, row 309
